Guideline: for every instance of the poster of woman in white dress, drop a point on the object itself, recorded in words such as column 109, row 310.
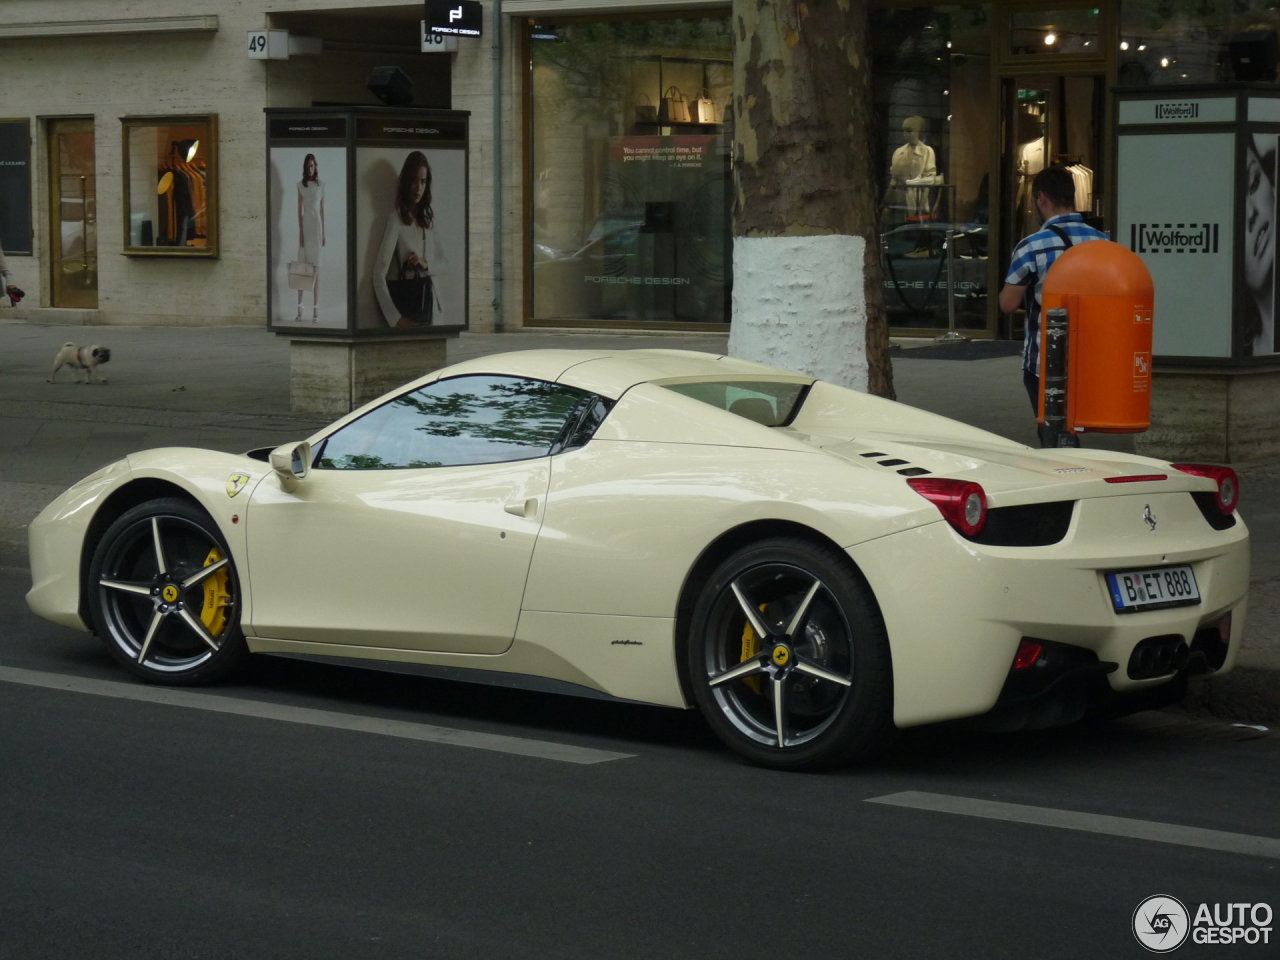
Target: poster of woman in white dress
column 309, row 243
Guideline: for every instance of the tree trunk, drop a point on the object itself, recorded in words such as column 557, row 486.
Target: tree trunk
column 808, row 285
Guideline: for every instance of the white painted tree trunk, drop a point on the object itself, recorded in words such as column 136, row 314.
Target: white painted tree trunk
column 798, row 303
column 807, row 280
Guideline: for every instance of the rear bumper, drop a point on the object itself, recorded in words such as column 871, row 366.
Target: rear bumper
column 954, row 626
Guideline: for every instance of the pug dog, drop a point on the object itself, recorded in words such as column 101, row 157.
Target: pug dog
column 84, row 360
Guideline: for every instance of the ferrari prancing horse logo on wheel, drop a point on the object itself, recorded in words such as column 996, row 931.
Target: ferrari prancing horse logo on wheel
column 781, row 655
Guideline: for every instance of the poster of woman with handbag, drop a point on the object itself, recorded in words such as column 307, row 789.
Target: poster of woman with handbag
column 311, row 236
column 410, row 259
column 307, row 219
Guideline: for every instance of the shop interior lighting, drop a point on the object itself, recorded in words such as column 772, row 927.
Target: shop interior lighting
column 195, row 148
column 1124, row 44
column 1050, row 39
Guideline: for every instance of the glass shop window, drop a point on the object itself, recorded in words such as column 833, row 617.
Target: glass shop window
column 1046, row 32
column 629, row 179
column 931, row 95
column 1196, row 41
column 170, row 186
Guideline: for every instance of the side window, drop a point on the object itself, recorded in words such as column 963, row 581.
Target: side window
column 461, row 420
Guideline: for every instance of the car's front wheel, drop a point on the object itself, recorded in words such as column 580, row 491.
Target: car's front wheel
column 788, row 657
column 164, row 594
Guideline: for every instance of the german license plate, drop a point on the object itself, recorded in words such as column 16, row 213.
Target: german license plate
column 1134, row 590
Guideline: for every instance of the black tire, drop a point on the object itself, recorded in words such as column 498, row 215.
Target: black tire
column 807, row 685
column 164, row 594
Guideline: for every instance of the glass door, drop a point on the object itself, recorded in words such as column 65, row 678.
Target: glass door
column 1049, row 118
column 73, row 215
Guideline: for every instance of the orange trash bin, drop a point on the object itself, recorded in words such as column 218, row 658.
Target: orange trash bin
column 1109, row 297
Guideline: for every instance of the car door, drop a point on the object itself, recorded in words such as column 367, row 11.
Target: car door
column 416, row 524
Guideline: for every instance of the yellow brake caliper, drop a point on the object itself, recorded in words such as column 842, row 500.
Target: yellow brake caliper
column 750, row 647
column 216, row 596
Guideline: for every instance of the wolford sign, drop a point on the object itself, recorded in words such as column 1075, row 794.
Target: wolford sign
column 1173, row 237
column 1177, row 111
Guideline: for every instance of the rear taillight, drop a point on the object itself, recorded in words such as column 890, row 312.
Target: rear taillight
column 1028, row 655
column 962, row 503
column 1228, row 494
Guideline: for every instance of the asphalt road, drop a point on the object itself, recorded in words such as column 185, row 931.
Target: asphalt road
column 320, row 812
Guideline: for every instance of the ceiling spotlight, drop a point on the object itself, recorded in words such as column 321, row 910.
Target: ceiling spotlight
column 1050, row 39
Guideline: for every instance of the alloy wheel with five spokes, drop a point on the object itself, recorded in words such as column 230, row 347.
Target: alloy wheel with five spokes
column 788, row 657
column 164, row 594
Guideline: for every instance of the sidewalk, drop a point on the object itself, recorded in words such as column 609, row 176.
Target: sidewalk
column 227, row 388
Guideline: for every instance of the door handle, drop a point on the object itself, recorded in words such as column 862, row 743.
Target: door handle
column 522, row 508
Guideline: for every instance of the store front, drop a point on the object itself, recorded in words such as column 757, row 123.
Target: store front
column 628, row 179
column 600, row 142
column 975, row 99
column 627, row 195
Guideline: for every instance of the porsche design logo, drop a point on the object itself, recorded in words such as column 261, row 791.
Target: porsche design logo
column 169, row 593
column 1148, row 517
column 781, row 655
column 236, row 482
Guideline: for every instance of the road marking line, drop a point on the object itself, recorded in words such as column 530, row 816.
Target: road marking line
column 169, row 696
column 1152, row 830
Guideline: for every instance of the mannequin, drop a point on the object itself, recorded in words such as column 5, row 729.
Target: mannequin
column 914, row 167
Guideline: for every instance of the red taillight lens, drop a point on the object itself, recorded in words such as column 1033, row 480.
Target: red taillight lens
column 1028, row 655
column 1226, row 479
column 962, row 503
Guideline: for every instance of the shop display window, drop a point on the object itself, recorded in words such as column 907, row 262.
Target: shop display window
column 1050, row 32
column 931, row 94
column 629, row 184
column 170, row 195
column 1192, row 41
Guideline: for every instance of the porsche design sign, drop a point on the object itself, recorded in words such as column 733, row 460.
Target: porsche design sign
column 457, row 18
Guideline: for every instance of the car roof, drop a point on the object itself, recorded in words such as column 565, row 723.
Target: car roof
column 611, row 372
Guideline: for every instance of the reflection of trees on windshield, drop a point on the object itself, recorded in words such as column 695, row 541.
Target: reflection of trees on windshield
column 526, row 412
column 463, row 420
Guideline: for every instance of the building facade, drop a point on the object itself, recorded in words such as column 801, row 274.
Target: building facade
column 136, row 183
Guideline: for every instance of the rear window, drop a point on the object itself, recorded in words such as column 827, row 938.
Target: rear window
column 772, row 403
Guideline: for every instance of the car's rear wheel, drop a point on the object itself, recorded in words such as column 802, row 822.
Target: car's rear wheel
column 788, row 657
column 164, row 594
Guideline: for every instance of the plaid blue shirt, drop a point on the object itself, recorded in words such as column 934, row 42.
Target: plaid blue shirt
column 1032, row 258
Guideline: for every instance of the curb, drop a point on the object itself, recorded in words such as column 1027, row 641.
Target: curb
column 1246, row 695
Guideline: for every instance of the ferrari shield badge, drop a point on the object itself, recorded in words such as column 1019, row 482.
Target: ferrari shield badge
column 236, row 482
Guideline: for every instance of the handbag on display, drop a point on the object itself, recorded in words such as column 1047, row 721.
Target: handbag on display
column 302, row 275
column 704, row 108
column 414, row 297
column 413, row 293
column 646, row 112
column 674, row 107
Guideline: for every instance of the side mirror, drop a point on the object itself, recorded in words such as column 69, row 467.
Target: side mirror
column 291, row 463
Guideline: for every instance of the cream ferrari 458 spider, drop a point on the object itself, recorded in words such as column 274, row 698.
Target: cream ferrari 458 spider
column 811, row 567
